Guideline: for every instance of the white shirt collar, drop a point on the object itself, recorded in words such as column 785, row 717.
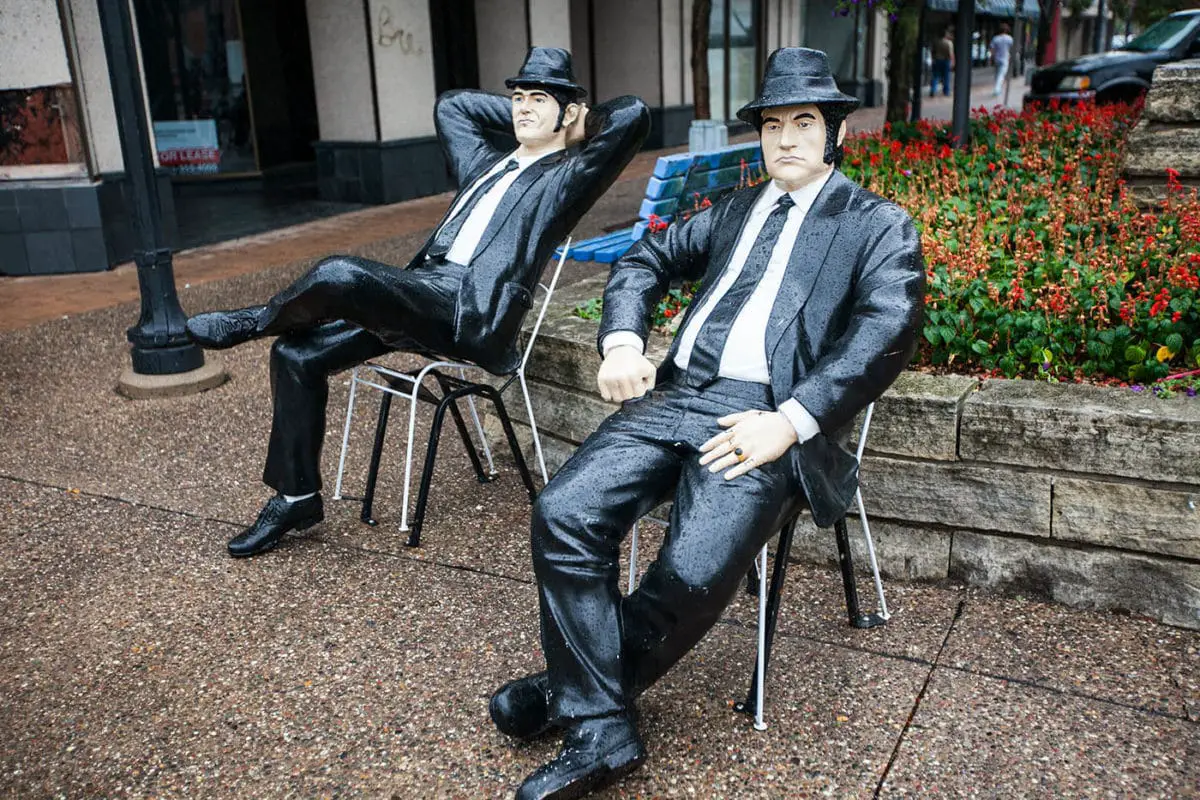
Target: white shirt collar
column 803, row 197
column 525, row 161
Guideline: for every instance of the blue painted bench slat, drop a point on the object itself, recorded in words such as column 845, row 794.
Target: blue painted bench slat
column 658, row 188
column 586, row 248
column 679, row 184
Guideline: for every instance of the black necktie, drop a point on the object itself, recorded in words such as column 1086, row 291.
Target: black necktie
column 710, row 342
column 449, row 232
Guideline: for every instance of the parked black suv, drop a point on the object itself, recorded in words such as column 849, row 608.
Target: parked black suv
column 1119, row 75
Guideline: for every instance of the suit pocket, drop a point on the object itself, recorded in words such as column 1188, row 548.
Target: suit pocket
column 515, row 302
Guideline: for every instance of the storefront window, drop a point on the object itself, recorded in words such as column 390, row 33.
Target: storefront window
column 732, row 47
column 196, row 79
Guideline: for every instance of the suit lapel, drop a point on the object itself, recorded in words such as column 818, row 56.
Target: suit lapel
column 514, row 194
column 808, row 257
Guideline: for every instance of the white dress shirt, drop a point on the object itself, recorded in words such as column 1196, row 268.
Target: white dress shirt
column 463, row 249
column 744, row 357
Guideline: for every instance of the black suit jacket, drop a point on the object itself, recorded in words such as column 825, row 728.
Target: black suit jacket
column 537, row 213
column 843, row 326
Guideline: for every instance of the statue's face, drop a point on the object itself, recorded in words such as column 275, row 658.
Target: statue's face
column 534, row 116
column 793, row 144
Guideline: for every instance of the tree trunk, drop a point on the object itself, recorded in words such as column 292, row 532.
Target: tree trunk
column 701, row 12
column 1049, row 10
column 903, row 41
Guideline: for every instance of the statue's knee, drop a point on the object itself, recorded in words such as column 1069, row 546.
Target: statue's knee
column 337, row 271
column 547, row 517
column 290, row 354
column 693, row 581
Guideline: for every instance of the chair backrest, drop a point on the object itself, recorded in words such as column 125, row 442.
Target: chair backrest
column 565, row 251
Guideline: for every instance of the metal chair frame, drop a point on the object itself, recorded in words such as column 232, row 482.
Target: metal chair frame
column 769, row 599
column 412, row 386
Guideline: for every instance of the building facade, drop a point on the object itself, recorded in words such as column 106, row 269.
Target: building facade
column 339, row 92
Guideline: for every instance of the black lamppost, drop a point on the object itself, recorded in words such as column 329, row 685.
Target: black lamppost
column 161, row 346
column 964, row 26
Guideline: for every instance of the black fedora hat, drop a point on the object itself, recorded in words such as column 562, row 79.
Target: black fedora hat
column 796, row 76
column 548, row 67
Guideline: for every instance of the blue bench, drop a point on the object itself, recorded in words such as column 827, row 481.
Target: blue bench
column 679, row 185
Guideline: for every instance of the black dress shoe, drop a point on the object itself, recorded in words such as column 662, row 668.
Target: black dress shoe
column 277, row 518
column 218, row 330
column 596, row 753
column 521, row 708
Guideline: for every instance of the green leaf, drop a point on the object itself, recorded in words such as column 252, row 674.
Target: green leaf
column 981, row 347
column 1135, row 354
column 931, row 334
column 1174, row 342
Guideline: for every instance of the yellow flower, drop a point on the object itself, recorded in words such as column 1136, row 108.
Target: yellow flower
column 1164, row 354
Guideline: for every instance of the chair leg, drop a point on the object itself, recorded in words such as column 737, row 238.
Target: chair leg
column 537, row 440
column 511, row 436
column 464, row 434
column 385, row 407
column 435, row 431
column 633, row 542
column 853, row 611
column 337, row 486
column 866, row 529
column 487, row 449
column 771, row 613
column 760, row 724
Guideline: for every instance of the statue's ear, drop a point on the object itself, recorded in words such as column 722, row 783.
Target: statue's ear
column 571, row 114
column 842, row 133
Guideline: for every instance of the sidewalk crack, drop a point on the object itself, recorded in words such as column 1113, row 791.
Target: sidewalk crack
column 958, row 612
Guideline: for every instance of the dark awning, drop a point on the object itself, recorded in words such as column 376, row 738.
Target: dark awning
column 991, row 8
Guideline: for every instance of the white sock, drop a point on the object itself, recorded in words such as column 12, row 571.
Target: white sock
column 297, row 498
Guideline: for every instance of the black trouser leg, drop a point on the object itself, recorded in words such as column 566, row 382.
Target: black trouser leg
column 602, row 649
column 579, row 520
column 717, row 528
column 301, row 364
column 372, row 295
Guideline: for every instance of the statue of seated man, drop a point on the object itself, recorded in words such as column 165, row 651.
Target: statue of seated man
column 809, row 303
column 528, row 168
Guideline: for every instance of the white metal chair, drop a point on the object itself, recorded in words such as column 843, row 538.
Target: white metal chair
column 768, row 600
column 412, row 385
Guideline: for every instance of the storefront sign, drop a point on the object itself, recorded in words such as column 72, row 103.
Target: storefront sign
column 188, row 147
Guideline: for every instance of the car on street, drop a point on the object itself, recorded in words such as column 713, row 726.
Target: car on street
column 1119, row 75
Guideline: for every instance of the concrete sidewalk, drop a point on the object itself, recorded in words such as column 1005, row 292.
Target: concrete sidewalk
column 138, row 660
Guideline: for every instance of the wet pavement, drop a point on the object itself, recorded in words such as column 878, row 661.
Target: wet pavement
column 138, row 660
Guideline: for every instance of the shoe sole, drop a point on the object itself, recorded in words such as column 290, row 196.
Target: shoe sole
column 303, row 525
column 618, row 764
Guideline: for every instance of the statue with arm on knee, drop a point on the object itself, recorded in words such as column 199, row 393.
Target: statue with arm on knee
column 809, row 305
column 528, row 167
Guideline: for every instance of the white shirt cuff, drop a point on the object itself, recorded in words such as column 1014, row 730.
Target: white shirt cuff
column 804, row 423
column 617, row 338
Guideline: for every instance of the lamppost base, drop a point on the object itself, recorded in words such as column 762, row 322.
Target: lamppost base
column 140, row 387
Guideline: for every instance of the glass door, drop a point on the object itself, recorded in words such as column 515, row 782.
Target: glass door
column 732, row 56
column 195, row 67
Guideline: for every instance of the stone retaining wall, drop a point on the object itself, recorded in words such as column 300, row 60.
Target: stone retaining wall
column 1168, row 134
column 1085, row 495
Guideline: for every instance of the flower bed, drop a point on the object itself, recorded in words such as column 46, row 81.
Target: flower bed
column 1039, row 263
